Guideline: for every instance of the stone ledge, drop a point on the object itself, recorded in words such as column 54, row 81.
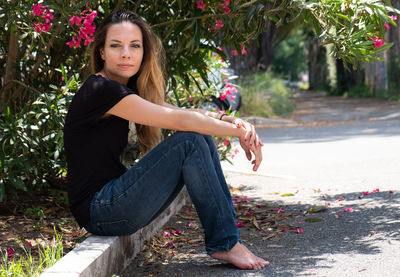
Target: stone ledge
column 99, row 256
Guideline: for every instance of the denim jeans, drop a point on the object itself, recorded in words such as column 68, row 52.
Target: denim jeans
column 130, row 202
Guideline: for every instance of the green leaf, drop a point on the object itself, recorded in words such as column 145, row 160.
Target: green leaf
column 318, row 209
column 287, row 194
column 315, row 219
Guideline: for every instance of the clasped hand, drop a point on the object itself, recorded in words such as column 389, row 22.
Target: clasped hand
column 250, row 142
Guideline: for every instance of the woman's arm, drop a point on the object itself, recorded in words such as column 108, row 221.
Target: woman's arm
column 251, row 137
column 136, row 109
column 214, row 115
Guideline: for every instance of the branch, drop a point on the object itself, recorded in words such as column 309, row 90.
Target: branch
column 5, row 92
column 35, row 70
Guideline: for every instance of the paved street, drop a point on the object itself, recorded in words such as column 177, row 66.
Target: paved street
column 330, row 164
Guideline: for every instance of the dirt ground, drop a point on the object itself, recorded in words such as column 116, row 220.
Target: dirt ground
column 27, row 221
column 30, row 220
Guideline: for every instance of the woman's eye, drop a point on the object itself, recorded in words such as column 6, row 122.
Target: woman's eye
column 114, row 45
column 135, row 45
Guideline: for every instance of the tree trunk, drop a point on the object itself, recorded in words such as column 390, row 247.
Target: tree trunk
column 347, row 78
column 35, row 70
column 317, row 67
column 12, row 54
column 394, row 58
column 258, row 58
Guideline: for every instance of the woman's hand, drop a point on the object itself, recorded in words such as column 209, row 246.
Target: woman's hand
column 256, row 151
column 250, row 142
column 250, row 137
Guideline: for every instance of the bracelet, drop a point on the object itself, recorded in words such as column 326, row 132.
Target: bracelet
column 222, row 115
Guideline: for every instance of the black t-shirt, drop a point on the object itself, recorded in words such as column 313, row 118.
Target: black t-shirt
column 93, row 144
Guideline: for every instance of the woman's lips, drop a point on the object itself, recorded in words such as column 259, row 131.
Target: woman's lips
column 123, row 65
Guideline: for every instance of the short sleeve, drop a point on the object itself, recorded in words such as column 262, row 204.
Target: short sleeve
column 96, row 96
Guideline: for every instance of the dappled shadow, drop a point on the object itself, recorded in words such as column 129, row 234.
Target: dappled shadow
column 375, row 218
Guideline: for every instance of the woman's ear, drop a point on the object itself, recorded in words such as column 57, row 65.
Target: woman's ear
column 102, row 53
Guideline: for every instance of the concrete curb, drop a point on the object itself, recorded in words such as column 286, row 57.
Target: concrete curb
column 99, row 256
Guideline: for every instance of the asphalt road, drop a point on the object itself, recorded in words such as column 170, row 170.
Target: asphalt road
column 328, row 166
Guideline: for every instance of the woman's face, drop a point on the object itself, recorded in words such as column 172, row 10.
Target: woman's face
column 122, row 52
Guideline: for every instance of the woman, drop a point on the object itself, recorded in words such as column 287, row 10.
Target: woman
column 107, row 199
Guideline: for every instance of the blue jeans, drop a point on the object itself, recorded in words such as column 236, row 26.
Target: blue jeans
column 130, row 202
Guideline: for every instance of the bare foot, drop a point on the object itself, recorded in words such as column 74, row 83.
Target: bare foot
column 241, row 257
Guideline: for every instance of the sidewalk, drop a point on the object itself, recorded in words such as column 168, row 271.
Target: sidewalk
column 320, row 165
column 328, row 164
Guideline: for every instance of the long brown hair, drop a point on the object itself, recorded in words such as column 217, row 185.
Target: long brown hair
column 149, row 81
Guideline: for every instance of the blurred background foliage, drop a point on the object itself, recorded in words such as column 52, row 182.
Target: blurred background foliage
column 39, row 72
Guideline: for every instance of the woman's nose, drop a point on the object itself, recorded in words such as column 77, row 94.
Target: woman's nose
column 125, row 53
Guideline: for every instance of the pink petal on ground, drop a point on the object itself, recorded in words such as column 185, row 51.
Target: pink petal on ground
column 239, row 224
column 178, row 232
column 167, row 234
column 349, row 209
column 390, row 191
column 10, row 252
column 298, row 230
column 170, row 244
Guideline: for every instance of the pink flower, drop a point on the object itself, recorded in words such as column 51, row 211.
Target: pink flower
column 88, row 40
column 390, row 191
column 227, row 10
column 349, row 209
column 10, row 252
column 167, row 234
column 46, row 27
column 298, row 230
column 75, row 20
column 387, row 27
column 170, row 244
column 219, row 25
column 234, row 52
column 393, row 17
column 226, row 3
column 227, row 142
column 244, row 52
column 233, row 97
column 201, row 5
column 223, row 97
column 378, row 42
column 178, row 232
column 74, row 43
column 239, row 224
column 280, row 210
column 49, row 16
column 37, row 9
